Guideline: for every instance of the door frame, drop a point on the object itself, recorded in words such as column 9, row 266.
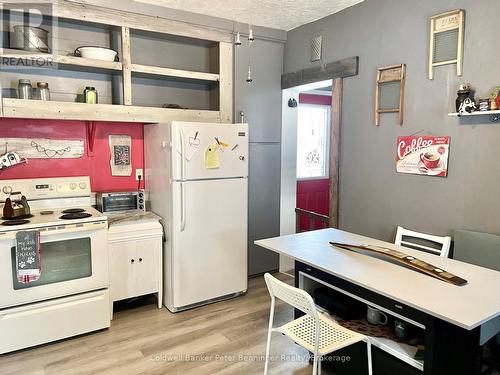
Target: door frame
column 291, row 84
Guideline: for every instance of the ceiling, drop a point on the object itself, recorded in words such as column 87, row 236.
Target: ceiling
column 278, row 14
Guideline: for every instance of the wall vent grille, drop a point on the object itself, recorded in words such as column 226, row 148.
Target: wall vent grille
column 316, row 46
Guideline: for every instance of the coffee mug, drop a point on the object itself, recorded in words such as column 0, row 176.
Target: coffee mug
column 375, row 316
column 430, row 159
column 401, row 328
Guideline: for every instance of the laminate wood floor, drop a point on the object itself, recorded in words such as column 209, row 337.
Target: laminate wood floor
column 147, row 340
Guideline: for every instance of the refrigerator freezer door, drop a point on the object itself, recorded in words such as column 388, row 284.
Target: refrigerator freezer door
column 209, row 240
column 209, row 151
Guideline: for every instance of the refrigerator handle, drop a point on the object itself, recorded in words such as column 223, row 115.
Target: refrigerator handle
column 183, row 156
column 183, row 185
column 183, row 206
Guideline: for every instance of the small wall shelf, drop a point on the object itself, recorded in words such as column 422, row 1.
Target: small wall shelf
column 20, row 108
column 494, row 115
column 476, row 113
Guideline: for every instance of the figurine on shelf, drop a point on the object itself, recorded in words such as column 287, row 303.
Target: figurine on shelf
column 494, row 101
column 464, row 92
column 465, row 100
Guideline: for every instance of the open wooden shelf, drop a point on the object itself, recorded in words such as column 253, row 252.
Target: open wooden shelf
column 67, row 61
column 116, row 78
column 20, row 108
column 177, row 73
column 389, row 344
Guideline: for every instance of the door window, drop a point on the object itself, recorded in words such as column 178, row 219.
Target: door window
column 61, row 261
column 312, row 141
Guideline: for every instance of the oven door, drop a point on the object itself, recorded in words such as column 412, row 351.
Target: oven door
column 74, row 259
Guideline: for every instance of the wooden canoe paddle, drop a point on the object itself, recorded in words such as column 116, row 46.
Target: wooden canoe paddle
column 407, row 260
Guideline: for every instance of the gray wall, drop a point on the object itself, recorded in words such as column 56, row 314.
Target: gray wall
column 374, row 199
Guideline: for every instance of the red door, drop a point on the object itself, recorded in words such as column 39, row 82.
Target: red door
column 312, row 195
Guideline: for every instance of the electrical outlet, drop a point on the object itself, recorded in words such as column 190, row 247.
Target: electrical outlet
column 138, row 174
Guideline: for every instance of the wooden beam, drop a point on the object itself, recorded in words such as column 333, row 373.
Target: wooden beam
column 339, row 69
column 334, row 163
column 91, row 13
column 127, row 67
column 226, row 82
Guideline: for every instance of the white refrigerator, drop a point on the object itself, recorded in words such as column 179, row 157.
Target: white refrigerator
column 196, row 175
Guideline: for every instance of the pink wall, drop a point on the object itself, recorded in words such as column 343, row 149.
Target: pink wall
column 95, row 164
column 315, row 99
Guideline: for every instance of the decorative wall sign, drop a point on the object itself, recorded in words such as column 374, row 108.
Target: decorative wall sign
column 389, row 96
column 447, row 40
column 423, row 155
column 120, row 147
column 42, row 148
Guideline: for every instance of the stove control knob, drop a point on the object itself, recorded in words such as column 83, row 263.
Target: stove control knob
column 82, row 185
column 7, row 189
column 72, row 186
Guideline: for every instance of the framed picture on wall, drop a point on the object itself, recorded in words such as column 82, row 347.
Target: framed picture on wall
column 423, row 155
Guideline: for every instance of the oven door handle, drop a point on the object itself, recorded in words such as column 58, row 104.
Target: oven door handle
column 69, row 228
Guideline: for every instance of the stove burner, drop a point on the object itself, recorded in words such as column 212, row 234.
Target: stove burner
column 76, row 215
column 73, row 211
column 46, row 212
column 15, row 222
column 18, row 217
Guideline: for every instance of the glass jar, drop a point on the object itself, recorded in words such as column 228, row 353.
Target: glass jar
column 24, row 89
column 43, row 91
column 90, row 95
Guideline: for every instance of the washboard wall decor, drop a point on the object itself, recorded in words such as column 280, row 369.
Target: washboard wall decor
column 389, row 95
column 447, row 40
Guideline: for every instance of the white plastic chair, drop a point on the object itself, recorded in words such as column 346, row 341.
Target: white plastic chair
column 315, row 332
column 445, row 242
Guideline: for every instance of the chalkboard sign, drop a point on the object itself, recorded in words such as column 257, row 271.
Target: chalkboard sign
column 28, row 263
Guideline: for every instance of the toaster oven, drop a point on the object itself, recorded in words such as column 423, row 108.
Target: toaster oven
column 121, row 201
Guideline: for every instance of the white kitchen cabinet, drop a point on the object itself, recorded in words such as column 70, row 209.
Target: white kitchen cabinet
column 135, row 251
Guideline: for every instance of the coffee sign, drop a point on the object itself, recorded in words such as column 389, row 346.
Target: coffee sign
column 423, row 155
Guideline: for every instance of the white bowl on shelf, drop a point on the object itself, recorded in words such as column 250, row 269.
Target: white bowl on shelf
column 96, row 53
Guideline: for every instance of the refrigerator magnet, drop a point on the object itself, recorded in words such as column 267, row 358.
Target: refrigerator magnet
column 212, row 156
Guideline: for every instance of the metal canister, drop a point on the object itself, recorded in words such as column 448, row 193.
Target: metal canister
column 30, row 38
column 24, row 89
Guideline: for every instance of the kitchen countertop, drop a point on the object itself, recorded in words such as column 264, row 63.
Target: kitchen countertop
column 131, row 217
column 467, row 306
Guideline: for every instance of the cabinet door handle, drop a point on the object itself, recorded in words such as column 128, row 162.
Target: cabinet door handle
column 132, row 260
column 140, row 259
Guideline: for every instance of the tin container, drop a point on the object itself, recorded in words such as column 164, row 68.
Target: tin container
column 30, row 38
column 484, row 104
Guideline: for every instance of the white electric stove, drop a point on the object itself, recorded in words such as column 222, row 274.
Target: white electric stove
column 74, row 277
